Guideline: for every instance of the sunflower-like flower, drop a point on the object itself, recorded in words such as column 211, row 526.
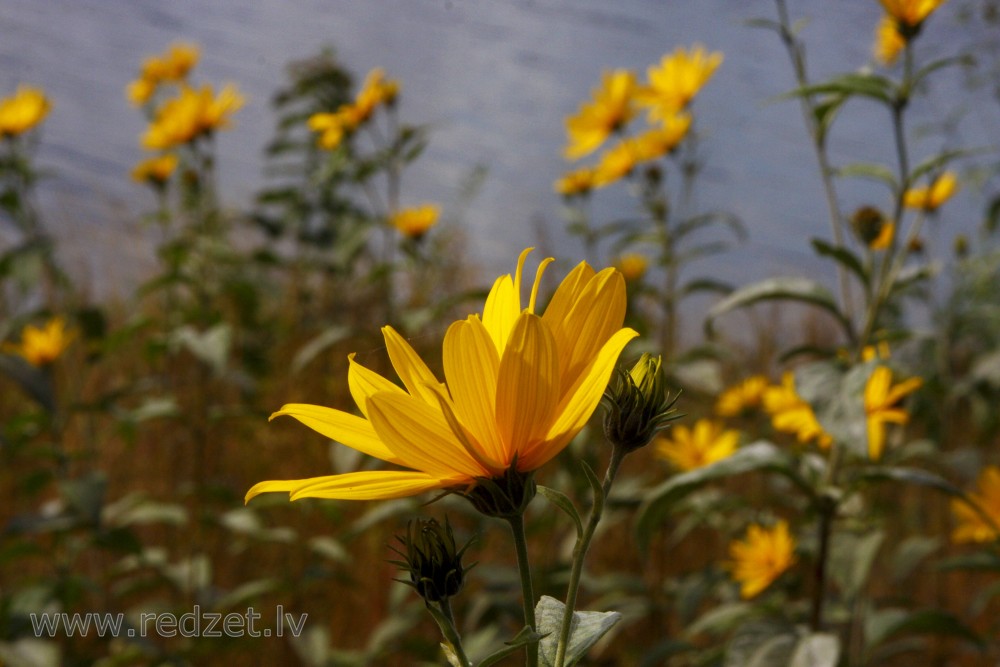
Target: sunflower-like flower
column 761, row 557
column 156, row 170
column 973, row 526
column 192, row 114
column 910, row 14
column 676, row 80
column 632, row 266
column 414, row 222
column 173, row 65
column 688, row 449
column 742, row 397
column 575, row 183
column 933, row 196
column 790, row 413
column 518, row 387
column 881, row 398
column 333, row 126
column 888, row 41
column 22, row 111
column 613, row 105
column 42, row 346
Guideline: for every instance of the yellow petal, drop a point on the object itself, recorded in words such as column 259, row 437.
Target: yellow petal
column 500, row 311
column 416, row 376
column 368, row 485
column 471, row 367
column 567, row 294
column 598, row 313
column 902, row 389
column 876, row 438
column 538, row 281
column 420, row 436
column 364, row 383
column 347, row 429
column 528, row 385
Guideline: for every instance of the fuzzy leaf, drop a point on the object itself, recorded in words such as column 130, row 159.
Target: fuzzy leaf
column 587, row 628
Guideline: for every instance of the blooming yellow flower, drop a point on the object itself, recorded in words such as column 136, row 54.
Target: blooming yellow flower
column 173, row 65
column 331, row 128
column 739, row 398
column 676, row 80
column 575, row 183
column 632, row 266
column 40, row 347
column 414, row 222
column 192, row 114
column 791, row 414
column 662, row 140
column 22, row 111
column 688, row 449
column 880, row 400
column 910, row 13
column 884, row 238
column 518, row 387
column 972, row 526
column 156, row 170
column 888, row 41
column 761, row 557
column 618, row 162
column 931, row 197
column 375, row 91
column 612, row 106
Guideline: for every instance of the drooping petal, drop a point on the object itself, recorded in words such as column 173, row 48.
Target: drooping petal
column 420, row 436
column 364, row 383
column 538, row 281
column 528, row 384
column 416, row 376
column 471, row 368
column 367, row 485
column 347, row 429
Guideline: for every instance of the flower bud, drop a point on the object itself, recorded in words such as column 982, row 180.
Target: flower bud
column 503, row 497
column 868, row 223
column 432, row 559
column 638, row 405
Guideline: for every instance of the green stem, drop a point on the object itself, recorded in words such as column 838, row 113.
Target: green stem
column 527, row 590
column 450, row 631
column 580, row 553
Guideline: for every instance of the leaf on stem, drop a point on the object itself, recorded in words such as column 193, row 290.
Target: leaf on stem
column 587, row 628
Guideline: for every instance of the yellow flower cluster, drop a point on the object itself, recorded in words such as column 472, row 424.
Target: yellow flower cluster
column 42, row 346
column 22, row 111
column 670, row 88
column 761, row 557
column 190, row 115
column 172, row 66
column 930, row 198
column 332, row 127
column 414, row 222
column 688, row 449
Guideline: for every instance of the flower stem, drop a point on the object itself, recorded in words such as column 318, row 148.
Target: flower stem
column 827, row 511
column 450, row 631
column 580, row 553
column 527, row 590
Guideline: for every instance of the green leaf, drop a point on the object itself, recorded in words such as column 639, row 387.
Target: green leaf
column 844, row 257
column 525, row 637
column 318, row 344
column 210, row 347
column 910, row 553
column 965, row 60
column 894, row 623
column 851, row 561
column 868, row 170
column 35, row 382
column 30, row 652
column 595, row 486
column 562, row 501
column 816, row 650
column 586, row 629
column 721, row 619
column 658, row 502
column 868, row 85
column 779, row 289
column 915, row 476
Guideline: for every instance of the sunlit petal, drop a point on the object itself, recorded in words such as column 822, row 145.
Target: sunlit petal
column 364, row 383
column 416, row 376
column 347, row 429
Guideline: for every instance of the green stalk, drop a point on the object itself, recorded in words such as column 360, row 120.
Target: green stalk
column 527, row 590
column 450, row 631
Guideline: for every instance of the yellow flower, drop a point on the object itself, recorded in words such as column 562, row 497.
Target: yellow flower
column 632, row 266
column 518, row 387
column 885, row 236
column 155, row 170
column 191, row 114
column 375, row 91
column 331, row 128
column 173, row 65
column 910, row 13
column 676, row 80
column 739, row 398
column 972, row 526
column 791, row 414
column 688, row 449
column 612, row 106
column 22, row 111
column 617, row 162
column 930, row 198
column 880, row 399
column 40, row 347
column 662, row 140
column 888, row 41
column 761, row 557
column 878, row 351
column 575, row 182
column 414, row 222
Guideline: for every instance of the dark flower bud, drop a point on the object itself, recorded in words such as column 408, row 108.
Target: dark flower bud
column 432, row 559
column 961, row 246
column 638, row 405
column 503, row 497
column 868, row 223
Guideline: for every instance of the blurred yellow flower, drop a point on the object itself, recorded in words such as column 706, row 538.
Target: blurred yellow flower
column 972, row 526
column 192, row 114
column 761, row 557
column 885, row 236
column 375, row 91
column 791, row 414
column 632, row 266
column 575, row 183
column 173, row 65
column 617, row 162
column 688, row 449
column 22, row 111
column 662, row 140
column 676, row 80
column 612, row 106
column 910, row 13
column 331, row 128
column 878, row 351
column 933, row 196
column 156, row 170
column 518, row 387
column 747, row 395
column 414, row 222
column 40, row 347
column 880, row 399
column 888, row 41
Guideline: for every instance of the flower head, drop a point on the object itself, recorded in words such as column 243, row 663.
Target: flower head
column 40, row 347
column 689, row 449
column 432, row 559
column 611, row 107
column 192, row 114
column 676, row 80
column 888, row 41
column 934, row 195
column 518, row 387
column 790, row 413
column 761, row 557
column 171, row 66
column 414, row 222
column 376, row 91
column 22, row 111
column 574, row 183
column 156, row 170
column 740, row 398
column 632, row 266
column 910, row 14
column 972, row 525
column 880, row 406
column 618, row 162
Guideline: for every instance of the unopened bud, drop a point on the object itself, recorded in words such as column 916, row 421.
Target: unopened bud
column 432, row 559
column 638, row 405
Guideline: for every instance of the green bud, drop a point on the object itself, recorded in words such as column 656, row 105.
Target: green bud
column 432, row 559
column 638, row 405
